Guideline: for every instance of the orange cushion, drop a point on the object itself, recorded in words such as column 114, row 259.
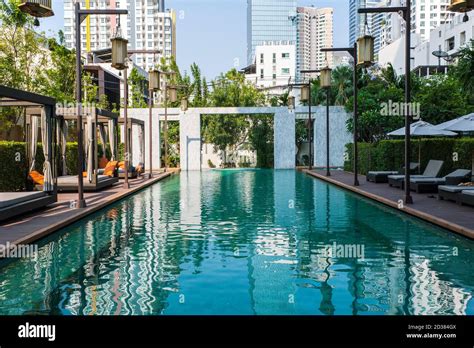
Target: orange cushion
column 110, row 168
column 84, row 174
column 37, row 177
column 121, row 165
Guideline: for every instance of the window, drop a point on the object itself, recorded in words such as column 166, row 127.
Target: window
column 285, row 55
column 274, row 76
column 462, row 38
column 285, row 71
column 261, row 58
column 261, row 73
column 450, row 44
column 274, row 58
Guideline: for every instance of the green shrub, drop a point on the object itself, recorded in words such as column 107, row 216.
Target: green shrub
column 390, row 154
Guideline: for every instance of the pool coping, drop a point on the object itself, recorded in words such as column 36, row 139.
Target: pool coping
column 461, row 230
column 44, row 232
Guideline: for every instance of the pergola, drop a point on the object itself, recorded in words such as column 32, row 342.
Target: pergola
column 93, row 119
column 40, row 113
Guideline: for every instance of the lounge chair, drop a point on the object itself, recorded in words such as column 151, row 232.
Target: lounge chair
column 68, row 183
column 382, row 176
column 17, row 203
column 452, row 192
column 431, row 171
column 430, row 185
column 467, row 197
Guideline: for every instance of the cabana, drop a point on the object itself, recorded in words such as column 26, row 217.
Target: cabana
column 40, row 115
column 136, row 164
column 95, row 121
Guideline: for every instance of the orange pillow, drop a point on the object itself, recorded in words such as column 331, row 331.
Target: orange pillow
column 121, row 165
column 37, row 177
column 110, row 168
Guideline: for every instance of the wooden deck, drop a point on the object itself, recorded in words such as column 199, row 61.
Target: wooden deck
column 449, row 215
column 36, row 225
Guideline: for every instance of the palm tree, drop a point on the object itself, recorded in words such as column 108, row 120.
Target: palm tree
column 342, row 82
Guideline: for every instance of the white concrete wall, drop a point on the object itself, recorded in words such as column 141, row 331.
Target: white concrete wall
column 338, row 136
column 284, row 145
column 190, row 141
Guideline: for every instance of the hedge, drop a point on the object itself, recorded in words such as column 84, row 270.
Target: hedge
column 14, row 168
column 390, row 154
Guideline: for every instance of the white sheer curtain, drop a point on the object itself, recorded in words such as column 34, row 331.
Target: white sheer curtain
column 112, row 140
column 142, row 144
column 34, row 140
column 103, row 137
column 46, row 140
column 90, row 150
column 64, row 130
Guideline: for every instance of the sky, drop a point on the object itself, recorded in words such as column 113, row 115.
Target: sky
column 213, row 33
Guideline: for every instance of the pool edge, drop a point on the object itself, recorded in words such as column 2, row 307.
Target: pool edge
column 460, row 230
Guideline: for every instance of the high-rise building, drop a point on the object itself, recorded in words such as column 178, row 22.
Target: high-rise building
column 147, row 26
column 425, row 17
column 315, row 31
column 357, row 21
column 270, row 21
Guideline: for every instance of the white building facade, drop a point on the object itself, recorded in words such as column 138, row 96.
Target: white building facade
column 275, row 65
column 147, row 26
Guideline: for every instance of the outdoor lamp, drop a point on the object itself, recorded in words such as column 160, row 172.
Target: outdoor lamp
column 154, row 80
column 184, row 104
column 461, row 5
column 304, row 94
column 119, row 53
column 365, row 50
column 172, row 94
column 37, row 8
column 325, row 78
column 291, row 103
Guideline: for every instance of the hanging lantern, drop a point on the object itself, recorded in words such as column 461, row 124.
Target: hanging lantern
column 172, row 94
column 461, row 5
column 325, row 77
column 365, row 50
column 119, row 53
column 37, row 8
column 184, row 104
column 154, row 80
column 291, row 103
column 304, row 93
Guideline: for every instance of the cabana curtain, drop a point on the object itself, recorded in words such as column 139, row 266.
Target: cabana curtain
column 103, row 137
column 46, row 140
column 141, row 141
column 112, row 140
column 34, row 140
column 64, row 130
column 90, row 150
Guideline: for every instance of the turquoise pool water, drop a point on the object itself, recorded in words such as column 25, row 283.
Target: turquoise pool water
column 244, row 242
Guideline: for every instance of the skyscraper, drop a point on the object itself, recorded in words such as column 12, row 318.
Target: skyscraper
column 357, row 21
column 270, row 21
column 147, row 26
column 315, row 31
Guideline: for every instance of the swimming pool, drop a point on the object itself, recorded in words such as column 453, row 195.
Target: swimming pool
column 244, row 242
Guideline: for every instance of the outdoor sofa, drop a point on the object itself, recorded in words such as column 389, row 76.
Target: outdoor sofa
column 431, row 171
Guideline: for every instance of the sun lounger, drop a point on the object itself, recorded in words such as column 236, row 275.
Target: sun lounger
column 382, row 176
column 16, row 203
column 431, row 171
column 452, row 192
column 430, row 185
column 467, row 197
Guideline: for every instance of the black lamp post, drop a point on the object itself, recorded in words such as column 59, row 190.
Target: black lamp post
column 353, row 52
column 80, row 15
column 406, row 13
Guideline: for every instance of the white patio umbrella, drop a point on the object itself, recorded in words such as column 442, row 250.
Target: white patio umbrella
column 461, row 124
column 420, row 129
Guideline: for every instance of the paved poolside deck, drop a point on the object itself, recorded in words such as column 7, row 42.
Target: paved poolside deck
column 36, row 225
column 454, row 217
